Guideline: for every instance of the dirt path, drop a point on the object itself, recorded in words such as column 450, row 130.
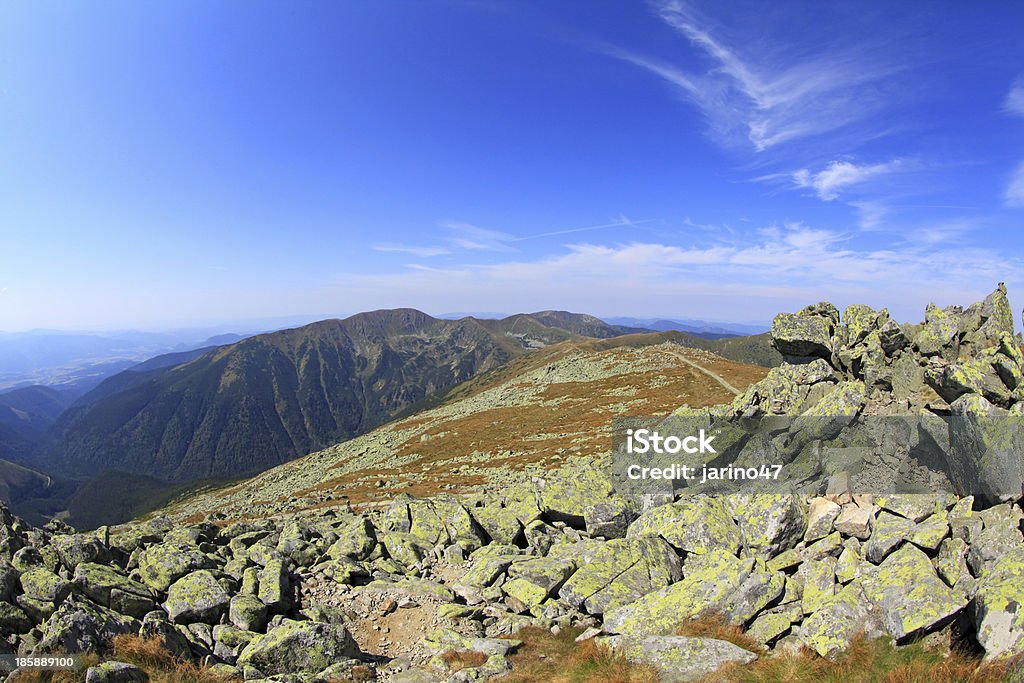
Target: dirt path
column 696, row 366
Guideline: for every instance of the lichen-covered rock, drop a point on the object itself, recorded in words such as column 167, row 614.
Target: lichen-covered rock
column 990, row 374
column 161, row 565
column 756, row 592
column 355, row 539
column 938, row 335
column 914, row 506
column 410, row 588
column 443, row 639
column 709, row 581
column 833, row 626
column 247, row 612
column 198, row 597
column 1000, row 536
column 566, row 498
column 609, row 518
column 986, row 448
column 997, row 606
column 888, row 533
column 13, row 620
column 929, row 533
column 909, row 596
column 984, row 323
column 109, row 587
column 404, row 548
column 845, row 399
column 819, row 582
column 40, row 584
column 299, row 647
column 546, row 572
column 951, row 565
column 78, row 548
column 155, row 624
column 499, row 523
column 443, row 521
column 9, row 575
column 769, row 523
column 695, row 524
column 621, row 571
column 806, row 333
column 486, row 568
column 275, row 589
column 79, row 625
column 785, row 390
column 680, row 658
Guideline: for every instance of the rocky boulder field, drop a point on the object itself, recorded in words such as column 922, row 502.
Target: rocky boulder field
column 390, row 593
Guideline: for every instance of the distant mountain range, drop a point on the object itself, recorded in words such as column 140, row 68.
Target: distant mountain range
column 267, row 399
column 700, row 328
column 76, row 362
column 223, row 412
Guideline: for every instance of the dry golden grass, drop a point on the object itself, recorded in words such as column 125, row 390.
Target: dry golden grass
column 867, row 661
column 457, row 660
column 547, row 658
column 713, row 625
column 148, row 654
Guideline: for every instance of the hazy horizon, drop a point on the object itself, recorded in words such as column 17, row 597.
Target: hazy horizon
column 171, row 165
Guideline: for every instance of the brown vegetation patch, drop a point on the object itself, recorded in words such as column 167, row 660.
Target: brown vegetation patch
column 148, row 654
column 867, row 661
column 547, row 658
column 457, row 660
column 713, row 625
column 555, row 421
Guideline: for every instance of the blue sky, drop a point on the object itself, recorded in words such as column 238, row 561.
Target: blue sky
column 173, row 163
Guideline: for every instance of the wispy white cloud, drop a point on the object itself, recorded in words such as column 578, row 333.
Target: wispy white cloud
column 423, row 252
column 620, row 222
column 758, row 91
column 474, row 238
column 465, row 237
column 1014, row 103
column 872, row 214
column 1015, row 191
column 759, row 272
column 838, row 175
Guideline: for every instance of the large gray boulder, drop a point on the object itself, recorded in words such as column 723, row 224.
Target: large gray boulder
column 709, row 581
column 621, row 571
column 679, row 659
column 79, row 625
column 695, row 524
column 109, row 587
column 198, row 597
column 997, row 606
column 910, row 598
column 807, row 333
column 297, row 647
column 161, row 565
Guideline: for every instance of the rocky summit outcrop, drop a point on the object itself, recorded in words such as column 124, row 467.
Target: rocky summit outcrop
column 402, row 592
column 866, row 403
column 868, row 361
